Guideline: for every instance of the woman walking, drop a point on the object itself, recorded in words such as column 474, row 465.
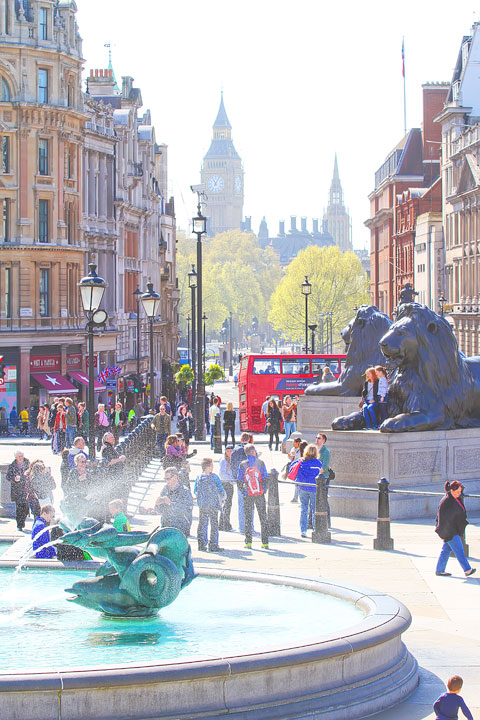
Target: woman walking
column 42, row 422
column 229, row 417
column 228, row 482
column 451, row 524
column 274, row 423
column 308, row 470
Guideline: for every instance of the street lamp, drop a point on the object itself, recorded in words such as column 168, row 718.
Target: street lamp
column 192, row 284
column 306, row 290
column 92, row 288
column 199, row 228
column 442, row 300
column 312, row 344
column 329, row 316
column 188, row 340
column 151, row 304
column 230, row 366
column 137, row 294
column 204, row 318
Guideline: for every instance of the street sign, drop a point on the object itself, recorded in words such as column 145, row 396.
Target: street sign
column 111, row 383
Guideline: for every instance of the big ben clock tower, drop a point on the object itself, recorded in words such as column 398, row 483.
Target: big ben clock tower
column 222, row 175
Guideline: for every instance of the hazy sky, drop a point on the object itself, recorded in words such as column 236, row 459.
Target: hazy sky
column 301, row 80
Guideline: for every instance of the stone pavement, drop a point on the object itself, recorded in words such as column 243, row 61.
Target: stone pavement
column 445, row 632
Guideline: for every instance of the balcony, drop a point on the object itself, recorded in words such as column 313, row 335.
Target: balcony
column 26, row 321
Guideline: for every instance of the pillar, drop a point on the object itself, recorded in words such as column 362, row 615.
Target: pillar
column 23, row 380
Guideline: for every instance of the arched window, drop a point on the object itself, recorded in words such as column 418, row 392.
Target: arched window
column 5, row 91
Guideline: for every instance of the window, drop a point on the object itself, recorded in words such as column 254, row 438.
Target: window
column 5, row 146
column 7, row 305
column 70, row 220
column 43, row 221
column 43, row 24
column 7, row 17
column 266, row 366
column 5, row 91
column 69, row 161
column 5, row 219
column 43, row 156
column 44, row 288
column 42, row 85
column 319, row 365
column 295, row 367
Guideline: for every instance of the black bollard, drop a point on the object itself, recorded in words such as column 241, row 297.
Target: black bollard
column 273, row 506
column 383, row 541
column 217, row 436
column 321, row 532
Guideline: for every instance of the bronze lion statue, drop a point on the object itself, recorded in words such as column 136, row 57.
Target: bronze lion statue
column 361, row 337
column 432, row 385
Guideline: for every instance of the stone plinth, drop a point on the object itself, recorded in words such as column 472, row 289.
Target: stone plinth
column 316, row 412
column 409, row 461
column 7, row 507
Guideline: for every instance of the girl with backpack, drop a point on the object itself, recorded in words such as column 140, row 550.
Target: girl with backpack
column 251, row 480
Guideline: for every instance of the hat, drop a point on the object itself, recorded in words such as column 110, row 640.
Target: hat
column 228, row 447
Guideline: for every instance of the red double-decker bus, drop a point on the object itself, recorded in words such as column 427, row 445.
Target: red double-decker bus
column 277, row 376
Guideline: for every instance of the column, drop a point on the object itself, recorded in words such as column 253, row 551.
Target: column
column 102, row 187
column 23, row 379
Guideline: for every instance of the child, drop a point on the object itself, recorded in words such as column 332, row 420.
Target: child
column 210, row 496
column 41, row 535
column 120, row 520
column 447, row 705
column 381, row 374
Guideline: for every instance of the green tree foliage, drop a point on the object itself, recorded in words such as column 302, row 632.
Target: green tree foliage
column 338, row 284
column 214, row 372
column 238, row 276
column 184, row 377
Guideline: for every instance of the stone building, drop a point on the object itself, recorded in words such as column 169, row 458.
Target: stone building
column 414, row 162
column 42, row 247
column 287, row 245
column 222, row 176
column 459, row 121
column 336, row 219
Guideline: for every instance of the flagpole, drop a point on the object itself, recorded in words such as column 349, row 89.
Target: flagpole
column 404, row 89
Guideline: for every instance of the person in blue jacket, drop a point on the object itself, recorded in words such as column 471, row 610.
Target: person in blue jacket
column 310, row 467
column 446, row 707
column 210, row 497
column 41, row 534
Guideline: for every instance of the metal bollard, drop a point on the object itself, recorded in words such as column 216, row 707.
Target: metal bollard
column 321, row 533
column 217, row 436
column 273, row 507
column 383, row 541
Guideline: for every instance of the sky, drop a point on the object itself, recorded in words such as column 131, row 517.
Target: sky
column 301, row 81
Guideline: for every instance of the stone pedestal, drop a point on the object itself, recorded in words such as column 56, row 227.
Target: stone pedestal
column 317, row 412
column 410, row 461
column 7, row 507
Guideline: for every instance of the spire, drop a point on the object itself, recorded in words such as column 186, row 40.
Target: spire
column 336, row 176
column 110, row 66
column 221, row 120
column 336, row 194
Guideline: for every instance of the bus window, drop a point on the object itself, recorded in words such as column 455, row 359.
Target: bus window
column 244, row 363
column 266, row 366
column 319, row 365
column 296, row 367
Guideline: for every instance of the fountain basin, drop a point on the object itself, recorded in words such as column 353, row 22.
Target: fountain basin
column 347, row 673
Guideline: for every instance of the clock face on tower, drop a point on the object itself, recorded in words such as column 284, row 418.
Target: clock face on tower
column 238, row 184
column 215, row 183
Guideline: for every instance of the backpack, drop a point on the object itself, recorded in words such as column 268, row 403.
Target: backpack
column 253, row 481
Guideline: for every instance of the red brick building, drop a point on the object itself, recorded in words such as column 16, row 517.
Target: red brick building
column 413, row 163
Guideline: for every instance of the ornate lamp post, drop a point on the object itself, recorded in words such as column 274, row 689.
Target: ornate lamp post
column 312, row 328
column 188, row 339
column 230, row 364
column 92, row 288
column 151, row 304
column 137, row 294
column 204, row 318
column 441, row 301
column 199, row 228
column 306, row 290
column 192, row 284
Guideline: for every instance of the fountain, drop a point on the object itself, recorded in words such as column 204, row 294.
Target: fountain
column 233, row 643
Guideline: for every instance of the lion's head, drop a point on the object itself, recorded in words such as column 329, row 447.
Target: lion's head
column 422, row 348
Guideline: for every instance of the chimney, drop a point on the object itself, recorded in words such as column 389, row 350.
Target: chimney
column 101, row 82
column 281, row 228
column 315, row 225
column 293, row 223
column 303, row 220
column 127, row 83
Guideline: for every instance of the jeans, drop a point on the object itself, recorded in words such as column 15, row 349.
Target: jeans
column 227, row 507
column 161, row 438
column 307, row 501
column 212, row 431
column 370, row 416
column 259, row 502
column 289, row 429
column 455, row 545
column 70, row 431
column 229, row 431
column 206, row 514
column 241, row 513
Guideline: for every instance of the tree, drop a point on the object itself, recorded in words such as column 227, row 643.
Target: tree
column 338, row 284
column 214, row 372
column 184, row 377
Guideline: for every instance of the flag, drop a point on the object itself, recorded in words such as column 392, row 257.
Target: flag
column 403, row 57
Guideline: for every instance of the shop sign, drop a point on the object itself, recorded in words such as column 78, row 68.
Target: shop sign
column 121, row 385
column 95, row 361
column 74, row 361
column 26, row 312
column 38, row 363
column 130, row 386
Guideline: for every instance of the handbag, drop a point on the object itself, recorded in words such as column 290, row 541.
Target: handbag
column 331, row 474
column 294, row 467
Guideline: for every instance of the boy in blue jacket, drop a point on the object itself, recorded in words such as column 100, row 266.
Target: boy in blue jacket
column 448, row 704
column 210, row 496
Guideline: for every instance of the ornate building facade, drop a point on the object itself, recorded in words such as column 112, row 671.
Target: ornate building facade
column 336, row 219
column 222, row 176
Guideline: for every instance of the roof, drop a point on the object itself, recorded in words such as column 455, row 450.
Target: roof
column 222, row 149
column 288, row 246
column 121, row 117
column 221, row 121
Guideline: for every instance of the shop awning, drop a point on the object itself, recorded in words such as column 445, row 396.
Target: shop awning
column 82, row 377
column 55, row 383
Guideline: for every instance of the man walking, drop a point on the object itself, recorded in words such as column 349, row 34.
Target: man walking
column 212, row 413
column 324, row 457
column 71, row 420
column 251, row 480
column 162, row 424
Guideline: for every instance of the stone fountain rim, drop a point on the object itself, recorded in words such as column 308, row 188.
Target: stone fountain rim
column 385, row 618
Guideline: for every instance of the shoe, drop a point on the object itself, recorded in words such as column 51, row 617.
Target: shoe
column 269, row 447
column 202, row 548
column 265, row 546
column 309, row 526
column 304, row 534
column 470, row 572
column 294, row 500
column 276, row 449
column 215, row 548
column 19, row 529
column 444, row 574
column 248, row 546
